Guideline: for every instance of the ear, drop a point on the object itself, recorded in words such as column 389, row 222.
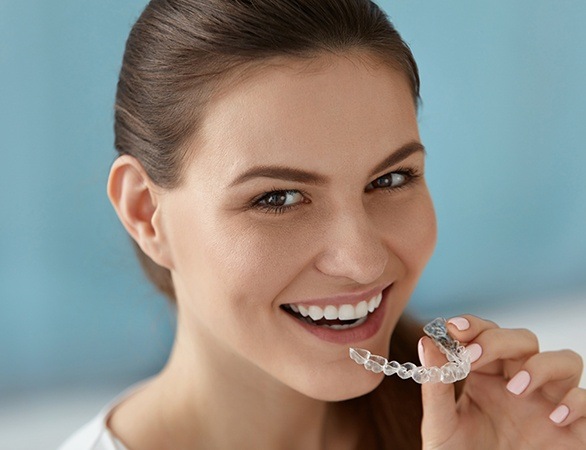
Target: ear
column 135, row 199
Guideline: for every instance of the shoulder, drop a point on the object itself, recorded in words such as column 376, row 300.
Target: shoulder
column 95, row 435
column 92, row 436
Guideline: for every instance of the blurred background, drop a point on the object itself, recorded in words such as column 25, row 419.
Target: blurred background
column 503, row 119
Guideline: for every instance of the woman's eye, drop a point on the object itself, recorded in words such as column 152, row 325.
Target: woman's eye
column 279, row 201
column 392, row 180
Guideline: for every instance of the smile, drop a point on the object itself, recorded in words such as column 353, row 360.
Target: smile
column 335, row 317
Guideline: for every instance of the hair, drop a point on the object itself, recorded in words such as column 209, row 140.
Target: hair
column 181, row 53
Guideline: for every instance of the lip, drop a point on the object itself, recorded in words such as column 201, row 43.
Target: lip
column 350, row 335
column 342, row 299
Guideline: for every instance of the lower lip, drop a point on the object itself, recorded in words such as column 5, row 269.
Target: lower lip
column 350, row 335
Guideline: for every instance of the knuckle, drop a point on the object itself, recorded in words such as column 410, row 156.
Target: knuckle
column 578, row 399
column 575, row 358
column 492, row 324
column 530, row 337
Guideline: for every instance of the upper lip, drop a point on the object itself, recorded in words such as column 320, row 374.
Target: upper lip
column 342, row 299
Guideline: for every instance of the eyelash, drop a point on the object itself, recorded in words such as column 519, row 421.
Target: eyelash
column 276, row 209
column 410, row 175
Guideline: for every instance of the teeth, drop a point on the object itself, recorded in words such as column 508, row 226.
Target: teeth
column 344, row 312
column 374, row 302
column 362, row 309
column 331, row 312
column 371, row 304
column 316, row 313
column 302, row 310
column 347, row 312
column 336, row 326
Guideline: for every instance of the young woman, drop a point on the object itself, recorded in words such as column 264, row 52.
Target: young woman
column 271, row 175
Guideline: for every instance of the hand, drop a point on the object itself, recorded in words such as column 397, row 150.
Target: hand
column 509, row 395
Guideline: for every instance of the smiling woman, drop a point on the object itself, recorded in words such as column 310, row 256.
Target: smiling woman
column 337, row 244
column 271, row 176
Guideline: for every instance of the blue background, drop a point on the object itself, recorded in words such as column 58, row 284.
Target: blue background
column 503, row 119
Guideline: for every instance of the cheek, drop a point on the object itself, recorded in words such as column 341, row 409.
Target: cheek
column 254, row 253
column 249, row 259
column 409, row 230
column 266, row 254
column 423, row 232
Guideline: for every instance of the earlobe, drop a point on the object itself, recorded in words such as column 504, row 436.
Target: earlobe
column 133, row 196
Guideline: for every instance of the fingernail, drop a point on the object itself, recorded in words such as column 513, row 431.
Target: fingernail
column 460, row 323
column 421, row 352
column 559, row 414
column 475, row 352
column 519, row 382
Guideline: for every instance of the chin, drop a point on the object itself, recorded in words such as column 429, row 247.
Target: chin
column 354, row 382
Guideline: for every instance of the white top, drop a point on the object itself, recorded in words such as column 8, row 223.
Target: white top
column 96, row 435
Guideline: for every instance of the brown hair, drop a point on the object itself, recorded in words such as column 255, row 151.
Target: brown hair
column 180, row 53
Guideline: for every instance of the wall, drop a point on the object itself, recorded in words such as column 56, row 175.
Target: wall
column 504, row 102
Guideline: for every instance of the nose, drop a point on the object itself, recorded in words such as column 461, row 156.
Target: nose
column 352, row 247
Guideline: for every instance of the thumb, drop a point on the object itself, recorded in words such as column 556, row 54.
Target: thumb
column 440, row 419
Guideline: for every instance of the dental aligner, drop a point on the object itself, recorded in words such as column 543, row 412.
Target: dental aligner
column 457, row 368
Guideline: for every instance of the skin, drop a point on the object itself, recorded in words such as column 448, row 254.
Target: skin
column 487, row 412
column 237, row 354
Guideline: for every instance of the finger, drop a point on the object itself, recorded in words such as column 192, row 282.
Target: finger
column 438, row 399
column 495, row 346
column 466, row 328
column 571, row 409
column 554, row 372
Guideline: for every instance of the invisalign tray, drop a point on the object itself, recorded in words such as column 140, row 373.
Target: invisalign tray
column 457, row 367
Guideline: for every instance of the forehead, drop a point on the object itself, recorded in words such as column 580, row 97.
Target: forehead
column 331, row 109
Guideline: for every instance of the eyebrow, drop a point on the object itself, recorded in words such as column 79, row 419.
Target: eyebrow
column 303, row 176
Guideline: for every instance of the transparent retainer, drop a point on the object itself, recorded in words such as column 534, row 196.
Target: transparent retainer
column 457, row 368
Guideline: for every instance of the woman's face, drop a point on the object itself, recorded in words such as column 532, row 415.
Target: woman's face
column 306, row 188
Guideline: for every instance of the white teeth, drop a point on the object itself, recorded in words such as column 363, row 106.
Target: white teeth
column 302, row 310
column 343, row 312
column 315, row 312
column 331, row 312
column 343, row 327
column 362, row 309
column 371, row 304
column 374, row 302
column 379, row 298
column 347, row 312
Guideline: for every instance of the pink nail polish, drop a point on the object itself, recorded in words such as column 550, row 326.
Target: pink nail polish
column 420, row 351
column 460, row 323
column 559, row 414
column 519, row 382
column 475, row 352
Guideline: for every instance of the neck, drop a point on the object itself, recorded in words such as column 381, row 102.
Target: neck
column 205, row 399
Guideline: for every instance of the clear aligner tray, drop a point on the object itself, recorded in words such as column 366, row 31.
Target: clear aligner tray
column 457, row 368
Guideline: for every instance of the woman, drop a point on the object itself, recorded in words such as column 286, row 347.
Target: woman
column 271, row 175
